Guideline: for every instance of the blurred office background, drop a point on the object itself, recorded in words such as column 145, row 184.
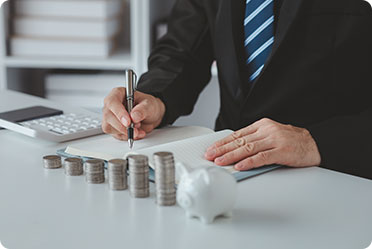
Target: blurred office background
column 76, row 51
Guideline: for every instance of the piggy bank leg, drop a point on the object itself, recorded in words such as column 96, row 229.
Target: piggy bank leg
column 228, row 214
column 207, row 219
column 190, row 215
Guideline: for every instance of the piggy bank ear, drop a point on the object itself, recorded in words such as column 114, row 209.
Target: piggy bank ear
column 204, row 175
column 182, row 169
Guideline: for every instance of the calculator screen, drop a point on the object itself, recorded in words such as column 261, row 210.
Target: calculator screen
column 29, row 113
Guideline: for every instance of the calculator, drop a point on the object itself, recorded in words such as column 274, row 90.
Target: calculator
column 51, row 124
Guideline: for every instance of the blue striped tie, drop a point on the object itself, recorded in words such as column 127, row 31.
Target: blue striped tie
column 259, row 34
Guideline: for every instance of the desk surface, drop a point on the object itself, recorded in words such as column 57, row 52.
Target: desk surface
column 287, row 208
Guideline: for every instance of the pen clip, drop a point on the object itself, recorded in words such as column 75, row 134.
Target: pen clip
column 131, row 82
column 135, row 81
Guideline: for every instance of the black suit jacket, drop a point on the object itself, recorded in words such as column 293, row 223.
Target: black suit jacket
column 318, row 76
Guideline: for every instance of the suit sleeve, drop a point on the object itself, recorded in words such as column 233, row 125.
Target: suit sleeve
column 345, row 142
column 180, row 64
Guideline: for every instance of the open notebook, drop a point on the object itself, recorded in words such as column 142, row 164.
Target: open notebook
column 188, row 144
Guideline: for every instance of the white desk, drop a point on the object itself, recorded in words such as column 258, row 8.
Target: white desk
column 288, row 208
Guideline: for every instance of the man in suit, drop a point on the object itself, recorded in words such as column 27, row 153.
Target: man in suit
column 295, row 80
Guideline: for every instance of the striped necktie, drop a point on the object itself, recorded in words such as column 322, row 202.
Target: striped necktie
column 259, row 34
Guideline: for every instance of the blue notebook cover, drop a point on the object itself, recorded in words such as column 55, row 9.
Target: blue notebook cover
column 239, row 176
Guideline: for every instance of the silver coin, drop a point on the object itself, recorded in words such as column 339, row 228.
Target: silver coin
column 73, row 166
column 94, row 165
column 117, row 174
column 165, row 191
column 171, row 202
column 138, row 176
column 52, row 162
column 139, row 193
column 94, row 178
column 94, row 171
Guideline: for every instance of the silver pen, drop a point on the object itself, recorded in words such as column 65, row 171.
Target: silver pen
column 131, row 83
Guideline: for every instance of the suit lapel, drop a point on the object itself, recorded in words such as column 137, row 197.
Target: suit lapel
column 226, row 48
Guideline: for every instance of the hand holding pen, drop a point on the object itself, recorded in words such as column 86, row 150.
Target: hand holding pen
column 145, row 114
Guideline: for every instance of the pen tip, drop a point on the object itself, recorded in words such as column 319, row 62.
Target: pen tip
column 130, row 142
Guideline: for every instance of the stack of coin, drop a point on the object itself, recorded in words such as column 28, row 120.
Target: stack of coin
column 138, row 176
column 165, row 179
column 73, row 166
column 117, row 174
column 94, row 171
column 52, row 162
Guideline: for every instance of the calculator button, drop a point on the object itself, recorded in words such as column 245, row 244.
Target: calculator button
column 58, row 131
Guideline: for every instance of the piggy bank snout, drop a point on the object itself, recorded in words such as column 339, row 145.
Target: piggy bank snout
column 184, row 200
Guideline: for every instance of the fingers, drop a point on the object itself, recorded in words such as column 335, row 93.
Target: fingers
column 248, row 147
column 145, row 116
column 114, row 103
column 138, row 134
column 112, row 125
column 260, row 159
column 247, row 150
column 243, row 132
column 120, row 137
column 142, row 110
column 214, row 152
column 235, row 135
column 147, row 127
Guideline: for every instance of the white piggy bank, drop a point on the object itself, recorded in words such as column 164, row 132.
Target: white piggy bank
column 206, row 192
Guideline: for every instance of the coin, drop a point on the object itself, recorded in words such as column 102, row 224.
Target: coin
column 117, row 174
column 138, row 176
column 52, row 162
column 94, row 171
column 165, row 179
column 73, row 166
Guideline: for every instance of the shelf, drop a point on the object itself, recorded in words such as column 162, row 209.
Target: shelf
column 136, row 33
column 120, row 60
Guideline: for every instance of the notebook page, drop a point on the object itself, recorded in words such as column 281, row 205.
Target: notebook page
column 189, row 151
column 106, row 147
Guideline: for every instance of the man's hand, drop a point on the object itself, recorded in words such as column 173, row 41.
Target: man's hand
column 146, row 114
column 263, row 143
